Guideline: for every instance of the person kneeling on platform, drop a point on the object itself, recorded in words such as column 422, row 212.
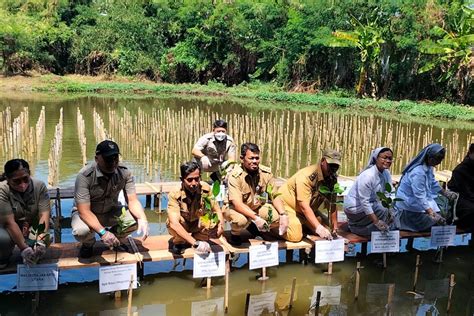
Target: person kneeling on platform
column 462, row 182
column 418, row 211
column 364, row 210
column 252, row 200
column 23, row 202
column 302, row 197
column 189, row 222
column 97, row 208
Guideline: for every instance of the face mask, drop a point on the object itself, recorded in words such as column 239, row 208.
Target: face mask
column 220, row 136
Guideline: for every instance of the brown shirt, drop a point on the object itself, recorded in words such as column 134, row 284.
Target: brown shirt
column 93, row 187
column 190, row 207
column 248, row 187
column 26, row 206
column 304, row 186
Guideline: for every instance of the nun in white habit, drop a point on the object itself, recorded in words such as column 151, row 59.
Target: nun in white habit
column 364, row 210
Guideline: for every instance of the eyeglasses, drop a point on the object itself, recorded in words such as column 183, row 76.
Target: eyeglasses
column 387, row 158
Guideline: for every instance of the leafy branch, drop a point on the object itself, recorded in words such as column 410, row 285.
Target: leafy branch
column 123, row 223
column 387, row 201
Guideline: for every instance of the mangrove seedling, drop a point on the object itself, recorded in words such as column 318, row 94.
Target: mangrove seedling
column 268, row 196
column 331, row 196
column 123, row 223
column 210, row 219
column 40, row 236
column 387, row 201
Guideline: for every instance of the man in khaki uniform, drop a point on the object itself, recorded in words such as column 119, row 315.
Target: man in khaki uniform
column 96, row 199
column 185, row 208
column 301, row 195
column 248, row 184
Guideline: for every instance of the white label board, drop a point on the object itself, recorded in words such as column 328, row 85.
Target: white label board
column 330, row 295
column 208, row 308
column 117, row 277
column 209, row 265
column 265, row 255
column 385, row 241
column 39, row 277
column 442, row 236
column 329, row 250
column 258, row 304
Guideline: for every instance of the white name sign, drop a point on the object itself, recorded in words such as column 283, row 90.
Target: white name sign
column 329, row 250
column 117, row 277
column 443, row 236
column 385, row 241
column 39, row 277
column 265, row 255
column 209, row 307
column 258, row 304
column 330, row 295
column 210, row 265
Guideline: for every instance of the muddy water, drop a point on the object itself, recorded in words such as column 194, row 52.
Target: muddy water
column 296, row 139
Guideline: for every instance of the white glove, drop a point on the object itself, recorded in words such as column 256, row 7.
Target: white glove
column 28, row 255
column 143, row 228
column 382, row 226
column 40, row 251
column 323, row 232
column 451, row 195
column 440, row 220
column 260, row 223
column 203, row 248
column 205, row 162
column 283, row 224
column 110, row 240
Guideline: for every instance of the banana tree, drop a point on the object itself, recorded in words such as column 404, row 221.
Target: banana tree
column 368, row 40
column 452, row 53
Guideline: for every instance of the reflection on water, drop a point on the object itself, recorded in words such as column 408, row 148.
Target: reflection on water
column 156, row 135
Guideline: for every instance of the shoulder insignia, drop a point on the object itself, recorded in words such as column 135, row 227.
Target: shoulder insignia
column 265, row 169
column 237, row 171
column 88, row 171
column 313, row 176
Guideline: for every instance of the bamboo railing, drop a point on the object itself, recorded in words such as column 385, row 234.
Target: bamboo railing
column 55, row 153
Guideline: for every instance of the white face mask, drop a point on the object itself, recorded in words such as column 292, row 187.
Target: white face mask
column 220, row 136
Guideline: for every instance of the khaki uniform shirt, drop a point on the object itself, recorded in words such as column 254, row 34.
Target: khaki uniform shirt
column 304, row 186
column 93, row 187
column 26, row 206
column 207, row 144
column 189, row 207
column 249, row 187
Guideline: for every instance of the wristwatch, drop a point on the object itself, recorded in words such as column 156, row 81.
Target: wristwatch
column 102, row 232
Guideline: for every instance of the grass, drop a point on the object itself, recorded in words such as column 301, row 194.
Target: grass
column 258, row 91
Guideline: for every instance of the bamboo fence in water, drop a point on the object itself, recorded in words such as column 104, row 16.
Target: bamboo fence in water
column 81, row 134
column 55, row 152
column 18, row 139
column 161, row 139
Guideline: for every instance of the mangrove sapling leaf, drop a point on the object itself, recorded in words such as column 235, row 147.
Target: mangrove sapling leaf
column 123, row 223
column 216, row 188
column 38, row 230
column 388, row 187
column 337, row 189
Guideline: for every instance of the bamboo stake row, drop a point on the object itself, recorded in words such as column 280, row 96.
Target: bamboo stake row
column 18, row 138
column 81, row 133
column 55, row 153
column 160, row 139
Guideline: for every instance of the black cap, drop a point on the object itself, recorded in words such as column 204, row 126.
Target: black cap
column 107, row 148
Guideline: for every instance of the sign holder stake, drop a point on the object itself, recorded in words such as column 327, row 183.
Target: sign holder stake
column 417, row 266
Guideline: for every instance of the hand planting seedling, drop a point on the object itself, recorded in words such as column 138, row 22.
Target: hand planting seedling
column 332, row 199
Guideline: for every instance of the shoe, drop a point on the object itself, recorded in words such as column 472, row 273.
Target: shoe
column 235, row 240
column 86, row 251
column 178, row 249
